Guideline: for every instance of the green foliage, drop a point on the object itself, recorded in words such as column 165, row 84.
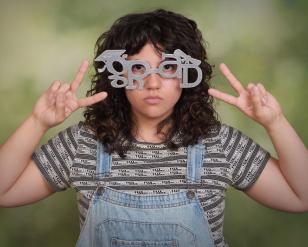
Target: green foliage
column 260, row 40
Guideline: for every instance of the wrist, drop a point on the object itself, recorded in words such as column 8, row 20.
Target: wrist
column 278, row 124
column 37, row 124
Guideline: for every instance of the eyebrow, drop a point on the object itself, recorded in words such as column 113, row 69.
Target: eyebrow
column 166, row 59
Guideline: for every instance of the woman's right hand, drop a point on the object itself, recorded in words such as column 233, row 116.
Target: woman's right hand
column 60, row 101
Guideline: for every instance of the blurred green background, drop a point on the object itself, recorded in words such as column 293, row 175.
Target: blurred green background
column 261, row 41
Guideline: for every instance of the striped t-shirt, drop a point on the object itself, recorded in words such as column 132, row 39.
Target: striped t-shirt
column 231, row 159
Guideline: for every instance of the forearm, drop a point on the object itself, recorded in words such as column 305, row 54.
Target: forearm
column 15, row 153
column 292, row 156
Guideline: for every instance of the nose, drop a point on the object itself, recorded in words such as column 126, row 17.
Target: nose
column 152, row 81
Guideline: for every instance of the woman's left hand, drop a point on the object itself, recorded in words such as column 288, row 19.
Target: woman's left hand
column 254, row 100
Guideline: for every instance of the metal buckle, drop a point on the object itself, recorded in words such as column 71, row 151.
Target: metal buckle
column 190, row 194
column 100, row 187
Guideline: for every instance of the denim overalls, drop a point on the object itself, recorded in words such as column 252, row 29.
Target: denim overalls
column 121, row 219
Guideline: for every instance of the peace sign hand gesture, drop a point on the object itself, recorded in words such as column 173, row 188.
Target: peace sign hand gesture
column 60, row 101
column 254, row 100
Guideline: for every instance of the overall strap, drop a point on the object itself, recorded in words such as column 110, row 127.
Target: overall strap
column 195, row 154
column 104, row 161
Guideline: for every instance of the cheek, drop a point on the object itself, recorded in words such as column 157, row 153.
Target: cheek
column 129, row 95
column 174, row 90
column 178, row 95
column 133, row 96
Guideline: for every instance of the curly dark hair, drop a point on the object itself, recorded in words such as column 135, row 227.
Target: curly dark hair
column 193, row 115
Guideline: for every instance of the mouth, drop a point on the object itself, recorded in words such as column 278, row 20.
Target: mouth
column 153, row 100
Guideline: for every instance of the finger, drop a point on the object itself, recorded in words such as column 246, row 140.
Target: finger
column 92, row 100
column 82, row 70
column 235, row 83
column 60, row 106
column 222, row 96
column 256, row 98
column 262, row 89
column 250, row 90
column 54, row 86
column 68, row 94
column 52, row 91
column 64, row 88
column 263, row 93
column 250, row 86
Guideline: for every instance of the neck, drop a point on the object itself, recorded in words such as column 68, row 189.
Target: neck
column 145, row 130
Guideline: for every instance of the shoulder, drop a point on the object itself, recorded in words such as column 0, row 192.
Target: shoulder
column 85, row 136
column 85, row 130
column 71, row 131
column 86, row 142
column 218, row 133
column 78, row 134
column 228, row 134
column 223, row 136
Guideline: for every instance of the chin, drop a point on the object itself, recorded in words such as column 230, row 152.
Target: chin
column 155, row 114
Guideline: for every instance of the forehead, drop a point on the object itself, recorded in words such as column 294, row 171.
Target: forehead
column 148, row 52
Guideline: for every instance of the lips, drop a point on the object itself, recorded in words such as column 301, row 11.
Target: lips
column 152, row 100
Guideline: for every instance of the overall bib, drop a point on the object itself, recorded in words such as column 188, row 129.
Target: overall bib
column 119, row 219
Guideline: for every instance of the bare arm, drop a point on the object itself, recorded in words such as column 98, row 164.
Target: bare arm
column 293, row 157
column 15, row 153
column 283, row 183
column 30, row 187
column 20, row 180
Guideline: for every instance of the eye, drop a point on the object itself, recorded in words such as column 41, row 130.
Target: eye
column 169, row 68
column 138, row 69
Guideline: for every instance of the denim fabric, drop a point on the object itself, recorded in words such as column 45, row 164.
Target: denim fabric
column 121, row 219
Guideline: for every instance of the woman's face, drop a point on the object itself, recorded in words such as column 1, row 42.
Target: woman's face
column 168, row 90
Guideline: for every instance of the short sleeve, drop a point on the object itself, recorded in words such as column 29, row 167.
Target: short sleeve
column 55, row 158
column 246, row 157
